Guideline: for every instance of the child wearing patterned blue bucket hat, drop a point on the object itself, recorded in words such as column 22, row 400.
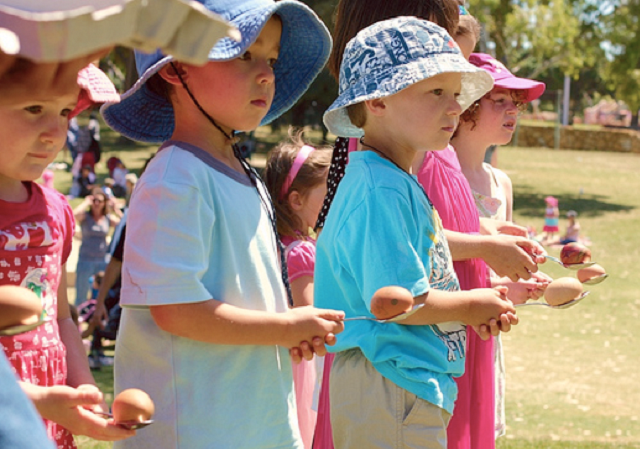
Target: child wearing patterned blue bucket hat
column 403, row 84
column 206, row 330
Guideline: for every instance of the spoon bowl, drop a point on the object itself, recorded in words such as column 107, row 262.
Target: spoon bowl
column 395, row 319
column 596, row 279
column 566, row 305
column 129, row 425
column 22, row 328
column 569, row 266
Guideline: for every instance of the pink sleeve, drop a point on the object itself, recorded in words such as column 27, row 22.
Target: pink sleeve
column 301, row 260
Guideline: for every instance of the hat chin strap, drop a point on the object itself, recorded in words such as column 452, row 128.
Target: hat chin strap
column 254, row 178
column 231, row 138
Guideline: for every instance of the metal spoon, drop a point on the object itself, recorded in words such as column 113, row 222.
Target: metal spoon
column 395, row 319
column 21, row 328
column 566, row 305
column 128, row 425
column 596, row 279
column 570, row 266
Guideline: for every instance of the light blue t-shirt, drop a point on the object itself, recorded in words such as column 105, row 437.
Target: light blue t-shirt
column 381, row 230
column 196, row 230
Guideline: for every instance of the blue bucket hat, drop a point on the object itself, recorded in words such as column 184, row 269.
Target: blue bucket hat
column 304, row 49
column 391, row 55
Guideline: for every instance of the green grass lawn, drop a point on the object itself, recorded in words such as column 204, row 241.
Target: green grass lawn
column 573, row 376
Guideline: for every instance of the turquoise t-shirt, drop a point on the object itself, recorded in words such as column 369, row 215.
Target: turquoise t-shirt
column 381, row 230
column 196, row 230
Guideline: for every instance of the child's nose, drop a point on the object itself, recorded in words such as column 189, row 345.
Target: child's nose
column 266, row 74
column 55, row 130
column 454, row 107
column 512, row 108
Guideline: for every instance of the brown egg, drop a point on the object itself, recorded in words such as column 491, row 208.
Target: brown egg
column 575, row 253
column 562, row 290
column 18, row 305
column 391, row 301
column 591, row 272
column 132, row 405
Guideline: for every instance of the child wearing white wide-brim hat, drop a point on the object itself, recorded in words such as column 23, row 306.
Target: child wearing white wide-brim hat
column 403, row 84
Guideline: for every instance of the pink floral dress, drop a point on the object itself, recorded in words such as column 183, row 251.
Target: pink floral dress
column 35, row 241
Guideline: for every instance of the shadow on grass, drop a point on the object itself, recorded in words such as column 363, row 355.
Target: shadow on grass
column 531, row 204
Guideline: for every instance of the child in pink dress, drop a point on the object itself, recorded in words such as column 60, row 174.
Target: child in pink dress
column 36, row 231
column 296, row 176
column 551, row 218
column 492, row 121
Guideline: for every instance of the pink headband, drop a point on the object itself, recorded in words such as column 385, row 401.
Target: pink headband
column 302, row 156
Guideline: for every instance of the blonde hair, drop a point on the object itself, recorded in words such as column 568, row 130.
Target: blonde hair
column 311, row 174
column 468, row 25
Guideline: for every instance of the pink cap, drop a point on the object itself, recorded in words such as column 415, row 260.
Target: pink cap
column 301, row 157
column 503, row 78
column 553, row 201
column 95, row 88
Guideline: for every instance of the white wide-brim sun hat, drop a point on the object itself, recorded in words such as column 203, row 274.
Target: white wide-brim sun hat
column 391, row 55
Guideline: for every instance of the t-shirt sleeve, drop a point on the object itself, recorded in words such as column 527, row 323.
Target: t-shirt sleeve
column 167, row 247
column 378, row 245
column 69, row 227
column 301, row 260
column 118, row 252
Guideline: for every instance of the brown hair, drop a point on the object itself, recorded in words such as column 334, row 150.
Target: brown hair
column 311, row 174
column 355, row 15
column 97, row 191
column 473, row 112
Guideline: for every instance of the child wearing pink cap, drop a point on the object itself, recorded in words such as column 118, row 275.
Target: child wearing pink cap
column 491, row 120
column 551, row 218
column 36, row 231
column 296, row 177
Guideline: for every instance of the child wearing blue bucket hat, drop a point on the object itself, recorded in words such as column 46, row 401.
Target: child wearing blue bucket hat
column 403, row 84
column 205, row 327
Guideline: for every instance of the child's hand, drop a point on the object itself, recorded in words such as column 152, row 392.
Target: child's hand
column 513, row 257
column 306, row 350
column 71, row 408
column 488, row 307
column 306, row 324
column 524, row 290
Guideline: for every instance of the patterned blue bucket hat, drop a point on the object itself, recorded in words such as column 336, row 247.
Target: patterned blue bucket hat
column 304, row 49
column 391, row 55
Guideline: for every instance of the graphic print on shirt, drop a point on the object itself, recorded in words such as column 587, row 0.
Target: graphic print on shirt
column 443, row 277
column 37, row 272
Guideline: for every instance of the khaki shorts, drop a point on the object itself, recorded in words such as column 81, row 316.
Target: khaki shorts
column 370, row 411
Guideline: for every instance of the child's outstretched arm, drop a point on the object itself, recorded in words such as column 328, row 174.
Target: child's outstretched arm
column 481, row 306
column 216, row 322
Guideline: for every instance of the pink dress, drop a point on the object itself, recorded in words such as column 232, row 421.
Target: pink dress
column 301, row 258
column 35, row 241
column 472, row 423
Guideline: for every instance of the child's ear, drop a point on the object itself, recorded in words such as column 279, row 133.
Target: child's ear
column 295, row 200
column 376, row 107
column 169, row 73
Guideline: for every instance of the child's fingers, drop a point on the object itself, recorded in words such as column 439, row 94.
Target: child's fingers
column 482, row 331
column 296, row 355
column 330, row 339
column 319, row 346
column 307, row 352
column 494, row 327
column 331, row 315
